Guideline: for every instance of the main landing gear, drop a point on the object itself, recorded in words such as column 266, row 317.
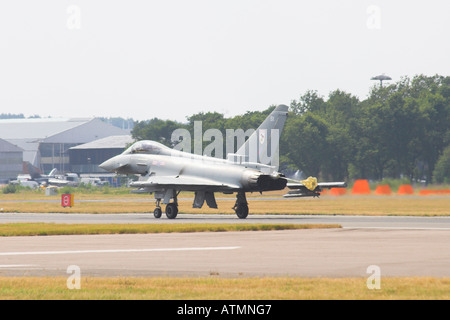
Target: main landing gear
column 241, row 206
column 171, row 210
column 171, row 207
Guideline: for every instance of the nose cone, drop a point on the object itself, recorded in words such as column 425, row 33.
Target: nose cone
column 109, row 165
column 116, row 164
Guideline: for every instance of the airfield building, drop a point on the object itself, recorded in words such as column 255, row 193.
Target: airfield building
column 11, row 161
column 86, row 158
column 46, row 141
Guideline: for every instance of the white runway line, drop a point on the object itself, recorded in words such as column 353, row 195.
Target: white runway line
column 16, row 266
column 114, row 251
column 398, row 228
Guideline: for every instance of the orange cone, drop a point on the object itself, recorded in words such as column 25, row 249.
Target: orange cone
column 405, row 189
column 361, row 187
column 383, row 190
column 338, row 191
column 428, row 192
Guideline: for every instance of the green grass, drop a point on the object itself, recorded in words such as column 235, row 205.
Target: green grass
column 342, row 205
column 212, row 288
column 47, row 229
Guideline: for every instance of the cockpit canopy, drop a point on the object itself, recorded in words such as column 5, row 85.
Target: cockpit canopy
column 146, row 147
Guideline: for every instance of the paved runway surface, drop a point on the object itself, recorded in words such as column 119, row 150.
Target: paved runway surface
column 306, row 253
column 400, row 246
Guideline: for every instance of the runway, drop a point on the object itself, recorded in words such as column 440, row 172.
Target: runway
column 399, row 246
column 304, row 253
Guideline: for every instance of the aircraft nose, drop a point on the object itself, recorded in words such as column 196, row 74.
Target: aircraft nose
column 109, row 165
column 115, row 164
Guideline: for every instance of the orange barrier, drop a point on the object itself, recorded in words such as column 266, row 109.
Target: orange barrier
column 405, row 189
column 383, row 190
column 361, row 187
column 337, row 191
column 427, row 192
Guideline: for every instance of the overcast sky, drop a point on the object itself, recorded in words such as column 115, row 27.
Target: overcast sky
column 173, row 58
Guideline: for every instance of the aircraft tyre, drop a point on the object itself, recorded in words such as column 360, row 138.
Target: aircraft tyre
column 157, row 213
column 171, row 211
column 242, row 211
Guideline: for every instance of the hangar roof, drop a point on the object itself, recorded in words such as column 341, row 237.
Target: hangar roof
column 57, row 130
column 112, row 142
column 6, row 146
column 39, row 129
column 29, row 133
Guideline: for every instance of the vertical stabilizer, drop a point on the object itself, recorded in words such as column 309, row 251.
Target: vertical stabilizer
column 264, row 144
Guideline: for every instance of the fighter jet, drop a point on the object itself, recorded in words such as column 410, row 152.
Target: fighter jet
column 166, row 172
column 34, row 178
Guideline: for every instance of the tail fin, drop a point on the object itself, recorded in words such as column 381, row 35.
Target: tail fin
column 263, row 145
column 33, row 171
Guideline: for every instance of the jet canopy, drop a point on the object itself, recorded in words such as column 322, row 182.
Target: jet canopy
column 145, row 147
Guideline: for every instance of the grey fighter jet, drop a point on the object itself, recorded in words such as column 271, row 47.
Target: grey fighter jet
column 165, row 171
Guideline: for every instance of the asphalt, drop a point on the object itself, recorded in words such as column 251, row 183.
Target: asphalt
column 397, row 245
column 302, row 253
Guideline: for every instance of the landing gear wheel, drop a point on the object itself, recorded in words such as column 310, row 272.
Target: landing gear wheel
column 171, row 211
column 242, row 211
column 241, row 207
column 157, row 213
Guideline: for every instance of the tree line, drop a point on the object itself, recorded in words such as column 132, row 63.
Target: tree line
column 401, row 130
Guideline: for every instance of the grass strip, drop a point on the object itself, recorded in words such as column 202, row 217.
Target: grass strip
column 213, row 288
column 47, row 229
column 326, row 205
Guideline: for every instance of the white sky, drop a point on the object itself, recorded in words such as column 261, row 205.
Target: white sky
column 173, row 58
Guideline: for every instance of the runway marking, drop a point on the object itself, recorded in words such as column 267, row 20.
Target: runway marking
column 7, row 266
column 397, row 228
column 114, row 251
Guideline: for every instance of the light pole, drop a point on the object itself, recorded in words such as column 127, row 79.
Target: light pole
column 381, row 77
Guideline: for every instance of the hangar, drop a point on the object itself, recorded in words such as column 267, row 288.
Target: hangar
column 46, row 141
column 11, row 161
column 85, row 158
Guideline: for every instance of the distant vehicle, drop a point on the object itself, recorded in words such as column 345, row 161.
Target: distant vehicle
column 97, row 182
column 69, row 179
column 165, row 172
column 25, row 180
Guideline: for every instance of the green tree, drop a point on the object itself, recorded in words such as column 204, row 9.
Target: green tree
column 156, row 130
column 341, row 111
column 305, row 143
column 441, row 172
column 311, row 101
